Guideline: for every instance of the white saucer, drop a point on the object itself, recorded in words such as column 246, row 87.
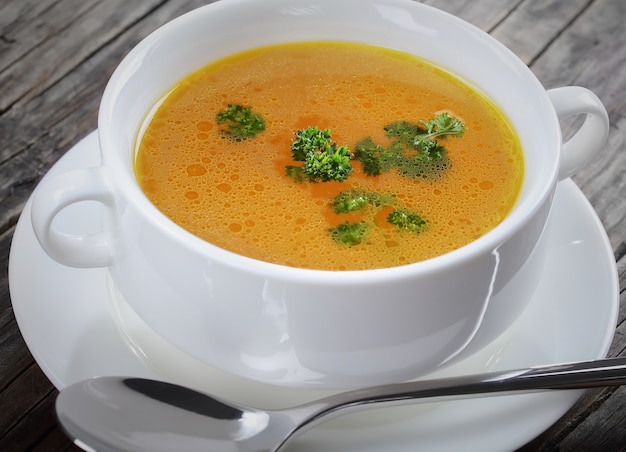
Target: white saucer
column 75, row 330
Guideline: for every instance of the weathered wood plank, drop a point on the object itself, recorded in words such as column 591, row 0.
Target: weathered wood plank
column 5, row 245
column 37, row 140
column 55, row 441
column 21, row 396
column 49, row 62
column 604, row 177
column 34, row 425
column 485, row 14
column 619, row 341
column 591, row 53
column 531, row 27
column 15, row 14
column 36, row 132
column 15, row 356
column 32, row 24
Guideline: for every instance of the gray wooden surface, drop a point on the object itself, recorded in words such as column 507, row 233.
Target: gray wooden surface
column 56, row 56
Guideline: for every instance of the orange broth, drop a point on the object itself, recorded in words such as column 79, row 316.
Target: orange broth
column 236, row 194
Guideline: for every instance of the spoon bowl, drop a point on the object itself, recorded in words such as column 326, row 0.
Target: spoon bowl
column 125, row 413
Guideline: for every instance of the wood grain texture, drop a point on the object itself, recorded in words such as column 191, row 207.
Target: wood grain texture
column 533, row 26
column 485, row 14
column 57, row 55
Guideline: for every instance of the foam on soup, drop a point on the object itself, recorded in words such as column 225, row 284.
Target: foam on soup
column 236, row 193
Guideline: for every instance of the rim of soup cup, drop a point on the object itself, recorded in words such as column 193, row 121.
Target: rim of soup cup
column 523, row 211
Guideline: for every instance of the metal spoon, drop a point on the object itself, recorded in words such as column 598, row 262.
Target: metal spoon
column 120, row 413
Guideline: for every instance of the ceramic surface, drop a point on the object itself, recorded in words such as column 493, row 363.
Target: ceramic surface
column 298, row 327
column 73, row 328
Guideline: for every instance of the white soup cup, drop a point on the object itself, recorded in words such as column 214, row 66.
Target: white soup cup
column 309, row 328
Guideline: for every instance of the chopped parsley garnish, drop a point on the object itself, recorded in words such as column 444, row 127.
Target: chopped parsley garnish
column 414, row 148
column 357, row 199
column 323, row 159
column 406, row 220
column 350, row 234
column 242, row 122
column 440, row 125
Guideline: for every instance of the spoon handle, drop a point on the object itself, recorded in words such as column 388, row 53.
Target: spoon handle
column 577, row 375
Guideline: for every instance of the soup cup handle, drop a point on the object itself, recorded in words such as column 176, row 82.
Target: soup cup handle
column 59, row 192
column 592, row 135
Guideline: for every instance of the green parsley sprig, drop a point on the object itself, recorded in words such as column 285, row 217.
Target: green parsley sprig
column 242, row 122
column 350, row 234
column 440, row 126
column 323, row 159
column 358, row 199
column 354, row 200
column 414, row 148
column 407, row 220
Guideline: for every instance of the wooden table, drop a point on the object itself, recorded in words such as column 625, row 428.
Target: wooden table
column 56, row 57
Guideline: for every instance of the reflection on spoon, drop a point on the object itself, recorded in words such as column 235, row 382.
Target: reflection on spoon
column 118, row 413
